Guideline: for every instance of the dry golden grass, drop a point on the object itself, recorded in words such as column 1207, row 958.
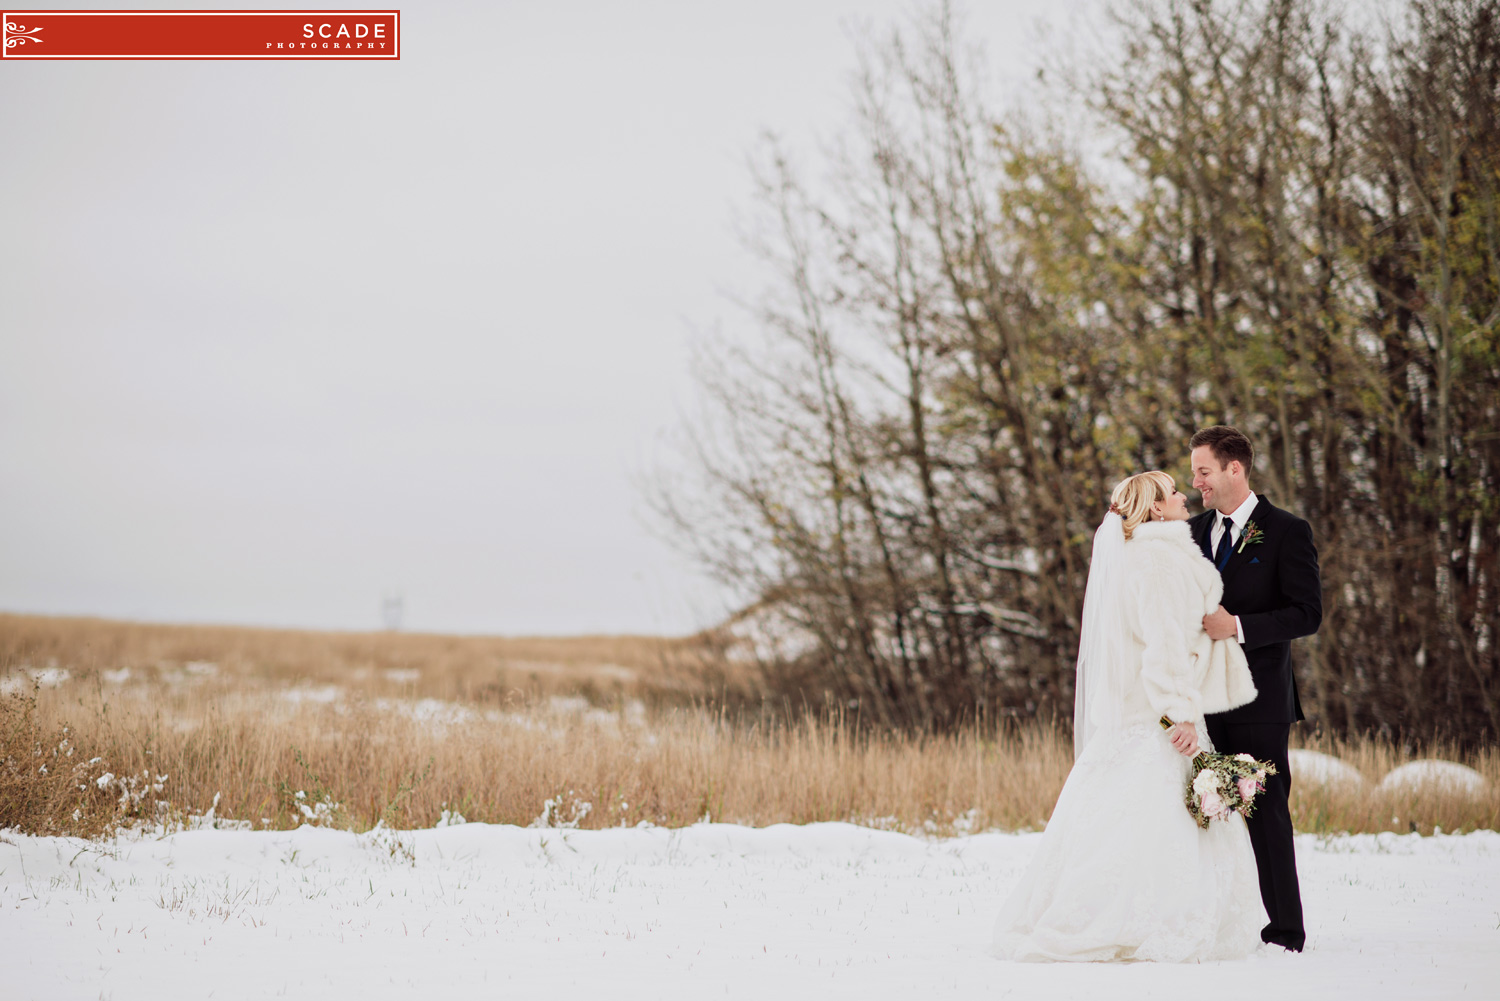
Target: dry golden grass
column 256, row 717
column 49, row 783
column 404, row 762
column 470, row 668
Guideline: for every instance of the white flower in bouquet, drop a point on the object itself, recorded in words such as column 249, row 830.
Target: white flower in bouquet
column 1244, row 757
column 1206, row 782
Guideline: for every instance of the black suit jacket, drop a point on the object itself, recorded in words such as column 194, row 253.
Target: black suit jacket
column 1274, row 587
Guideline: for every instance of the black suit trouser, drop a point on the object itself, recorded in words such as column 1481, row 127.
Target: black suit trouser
column 1270, row 826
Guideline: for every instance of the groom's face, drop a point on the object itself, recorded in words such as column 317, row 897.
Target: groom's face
column 1210, row 479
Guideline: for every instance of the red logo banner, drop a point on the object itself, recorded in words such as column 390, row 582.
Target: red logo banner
column 201, row 34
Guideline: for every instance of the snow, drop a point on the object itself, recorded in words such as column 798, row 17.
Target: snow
column 713, row 910
column 47, row 677
column 554, row 713
column 325, row 694
column 1434, row 774
column 438, row 712
column 1316, row 768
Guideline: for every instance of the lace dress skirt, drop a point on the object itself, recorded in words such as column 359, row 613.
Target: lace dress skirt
column 1123, row 872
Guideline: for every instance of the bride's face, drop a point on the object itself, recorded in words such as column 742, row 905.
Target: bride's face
column 1173, row 508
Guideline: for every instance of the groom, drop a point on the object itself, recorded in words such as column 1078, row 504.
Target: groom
column 1272, row 595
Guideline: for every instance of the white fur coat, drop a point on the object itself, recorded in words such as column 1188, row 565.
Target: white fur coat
column 1185, row 673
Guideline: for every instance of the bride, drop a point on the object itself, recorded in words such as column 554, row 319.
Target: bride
column 1123, row 872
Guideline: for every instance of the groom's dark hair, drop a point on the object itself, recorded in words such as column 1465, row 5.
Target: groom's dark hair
column 1227, row 445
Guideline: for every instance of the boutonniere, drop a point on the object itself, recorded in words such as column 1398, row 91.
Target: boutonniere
column 1253, row 537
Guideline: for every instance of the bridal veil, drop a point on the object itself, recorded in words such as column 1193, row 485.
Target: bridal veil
column 1104, row 648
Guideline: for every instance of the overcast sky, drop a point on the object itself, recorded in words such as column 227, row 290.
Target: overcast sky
column 279, row 338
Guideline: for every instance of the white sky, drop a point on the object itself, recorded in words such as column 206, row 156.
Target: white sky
column 277, row 338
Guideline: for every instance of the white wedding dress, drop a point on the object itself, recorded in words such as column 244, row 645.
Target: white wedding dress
column 1123, row 872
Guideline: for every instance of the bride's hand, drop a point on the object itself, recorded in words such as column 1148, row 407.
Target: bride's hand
column 1185, row 739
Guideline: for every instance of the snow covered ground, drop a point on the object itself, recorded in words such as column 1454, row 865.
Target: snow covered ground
column 715, row 910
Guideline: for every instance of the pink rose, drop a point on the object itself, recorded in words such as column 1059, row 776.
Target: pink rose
column 1212, row 805
column 1248, row 788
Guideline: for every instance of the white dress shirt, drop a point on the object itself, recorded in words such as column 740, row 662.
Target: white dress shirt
column 1240, row 516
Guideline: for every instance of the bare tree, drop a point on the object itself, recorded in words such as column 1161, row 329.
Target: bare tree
column 970, row 341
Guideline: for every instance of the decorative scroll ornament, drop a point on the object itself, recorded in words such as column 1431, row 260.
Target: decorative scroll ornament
column 19, row 34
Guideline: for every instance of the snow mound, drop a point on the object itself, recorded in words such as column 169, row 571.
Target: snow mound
column 1316, row 768
column 1432, row 774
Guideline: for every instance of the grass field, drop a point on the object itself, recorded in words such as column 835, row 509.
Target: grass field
column 277, row 728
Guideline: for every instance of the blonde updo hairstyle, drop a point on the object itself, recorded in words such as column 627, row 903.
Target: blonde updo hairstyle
column 1134, row 495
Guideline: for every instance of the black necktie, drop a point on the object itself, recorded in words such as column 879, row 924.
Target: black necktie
column 1222, row 556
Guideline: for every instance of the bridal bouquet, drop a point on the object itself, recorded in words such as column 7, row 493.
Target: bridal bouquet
column 1223, row 784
